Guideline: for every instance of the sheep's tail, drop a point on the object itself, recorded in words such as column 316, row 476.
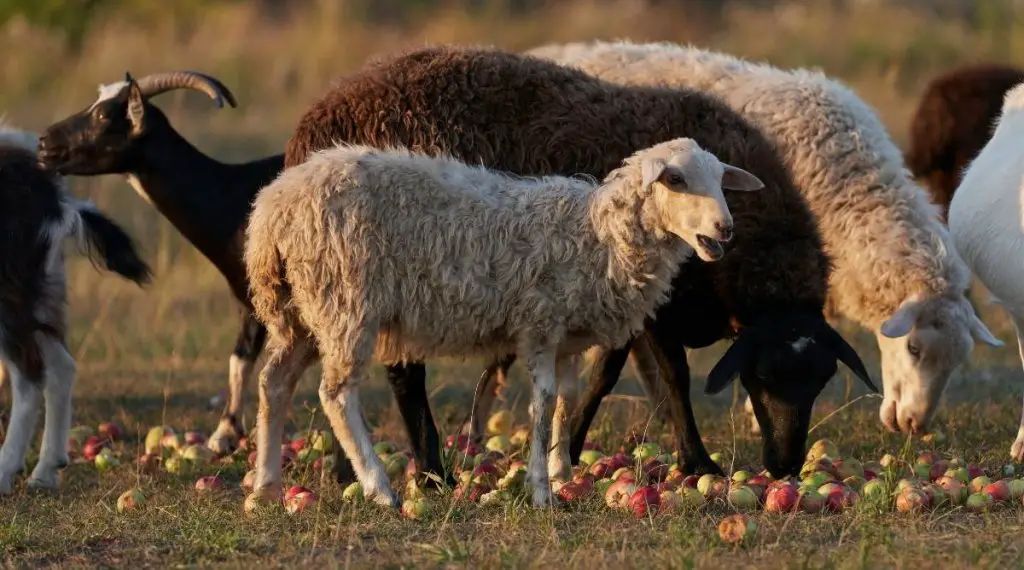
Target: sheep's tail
column 269, row 291
column 106, row 244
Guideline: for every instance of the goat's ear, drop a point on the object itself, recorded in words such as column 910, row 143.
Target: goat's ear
column 847, row 355
column 731, row 363
column 652, row 169
column 136, row 108
column 739, row 180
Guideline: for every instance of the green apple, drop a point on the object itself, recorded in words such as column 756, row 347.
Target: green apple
column 130, row 499
column 647, row 450
column 590, row 456
column 105, row 460
column 502, row 443
column 354, row 492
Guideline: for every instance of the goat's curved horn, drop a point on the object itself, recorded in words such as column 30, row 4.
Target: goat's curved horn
column 158, row 83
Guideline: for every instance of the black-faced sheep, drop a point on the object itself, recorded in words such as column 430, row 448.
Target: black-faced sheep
column 361, row 254
column 36, row 213
column 985, row 219
column 953, row 121
column 896, row 272
column 529, row 117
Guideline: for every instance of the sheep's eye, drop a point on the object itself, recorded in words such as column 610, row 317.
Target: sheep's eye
column 674, row 179
column 914, row 350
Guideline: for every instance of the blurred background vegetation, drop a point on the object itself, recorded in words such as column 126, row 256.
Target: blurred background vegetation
column 279, row 55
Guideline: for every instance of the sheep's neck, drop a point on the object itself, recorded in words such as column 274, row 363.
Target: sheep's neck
column 206, row 200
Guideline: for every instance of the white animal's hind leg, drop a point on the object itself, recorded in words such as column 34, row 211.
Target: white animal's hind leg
column 748, row 407
column 542, row 366
column 277, row 383
column 559, row 463
column 1017, row 449
column 339, row 396
column 227, row 434
column 28, row 396
column 60, row 379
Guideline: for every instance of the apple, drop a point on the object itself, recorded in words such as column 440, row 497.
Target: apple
column 822, row 448
column 513, row 478
column 741, row 476
column 618, row 493
column 500, row 423
column 288, row 456
column 105, row 460
column 840, row 498
column 576, row 490
column 395, row 465
column 590, row 456
column 308, row 455
column 810, row 500
column 705, row 482
column 978, row 502
column 198, row 454
column 130, row 499
column 670, row 502
column 93, row 445
column 742, row 498
column 194, row 438
column 602, row 468
column 647, row 450
column 959, row 473
column 297, row 444
column 654, row 470
column 600, row 486
column 690, row 481
column 1016, row 488
column 520, row 436
column 955, row 490
column 644, row 501
column 927, row 458
column 904, row 483
column 210, row 483
column 922, row 471
column 295, row 490
column 418, row 508
column 111, row 431
column 979, row 483
column 938, row 469
column 718, row 458
column 588, row 445
column 816, row 479
column 974, row 472
column 737, row 528
column 386, row 447
column 933, row 438
column 177, row 465
column 853, row 482
column 299, row 502
column 172, row 441
column 148, row 462
column 999, row 491
column 486, row 473
column 322, row 441
column 888, row 460
column 874, row 489
column 623, row 472
column 911, row 500
column 848, row 467
column 781, row 499
column 829, row 487
column 500, row 443
column 691, row 496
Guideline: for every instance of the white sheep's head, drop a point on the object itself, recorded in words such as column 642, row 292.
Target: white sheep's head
column 922, row 343
column 686, row 183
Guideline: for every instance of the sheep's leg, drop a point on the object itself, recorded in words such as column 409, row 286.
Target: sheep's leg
column 240, row 367
column 748, row 409
column 559, row 463
column 1017, row 449
column 490, row 387
column 645, row 366
column 339, row 396
column 277, row 383
column 542, row 365
column 409, row 384
column 28, row 396
column 675, row 371
column 60, row 379
column 604, row 374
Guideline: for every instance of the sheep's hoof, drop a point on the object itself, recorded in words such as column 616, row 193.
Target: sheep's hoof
column 386, row 499
column 7, row 484
column 223, row 441
column 1017, row 451
column 542, row 498
column 48, row 482
column 261, row 499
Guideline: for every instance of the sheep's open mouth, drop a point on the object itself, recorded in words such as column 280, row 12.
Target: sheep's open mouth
column 712, row 247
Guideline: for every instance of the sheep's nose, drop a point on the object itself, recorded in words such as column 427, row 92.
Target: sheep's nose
column 724, row 231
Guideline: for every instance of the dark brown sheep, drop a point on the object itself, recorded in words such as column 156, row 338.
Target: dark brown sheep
column 531, row 117
column 953, row 122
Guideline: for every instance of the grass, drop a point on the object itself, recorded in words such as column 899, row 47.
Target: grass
column 158, row 356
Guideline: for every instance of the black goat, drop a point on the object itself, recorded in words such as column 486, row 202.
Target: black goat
column 36, row 214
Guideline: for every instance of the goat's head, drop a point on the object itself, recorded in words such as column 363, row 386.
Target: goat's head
column 686, row 184
column 784, row 362
column 104, row 138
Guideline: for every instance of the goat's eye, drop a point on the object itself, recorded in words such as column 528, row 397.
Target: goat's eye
column 914, row 350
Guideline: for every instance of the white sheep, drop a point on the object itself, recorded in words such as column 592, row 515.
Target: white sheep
column 896, row 272
column 398, row 256
column 986, row 218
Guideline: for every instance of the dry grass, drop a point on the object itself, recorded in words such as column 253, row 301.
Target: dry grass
column 155, row 356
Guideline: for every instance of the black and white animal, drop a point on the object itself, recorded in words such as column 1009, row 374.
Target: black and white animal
column 36, row 213
column 206, row 200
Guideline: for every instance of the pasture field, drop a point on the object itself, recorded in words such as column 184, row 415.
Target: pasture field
column 157, row 356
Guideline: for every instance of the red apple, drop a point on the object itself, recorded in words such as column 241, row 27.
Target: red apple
column 975, row 472
column 911, row 500
column 110, row 431
column 654, row 470
column 643, row 501
column 999, row 491
column 576, row 490
column 300, row 502
column 210, row 483
column 194, row 438
column 588, row 445
column 781, row 499
column 938, row 469
column 603, row 467
column 295, row 490
column 690, row 481
column 869, row 475
column 92, row 447
column 618, row 493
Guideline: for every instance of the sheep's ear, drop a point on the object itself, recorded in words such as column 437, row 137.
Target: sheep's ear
column 136, row 109
column 981, row 332
column 739, row 180
column 847, row 355
column 652, row 169
column 902, row 321
column 741, row 351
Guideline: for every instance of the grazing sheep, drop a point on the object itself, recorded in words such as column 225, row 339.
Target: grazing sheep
column 895, row 272
column 530, row 117
column 953, row 122
column 36, row 213
column 986, row 219
column 399, row 256
column 207, row 201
